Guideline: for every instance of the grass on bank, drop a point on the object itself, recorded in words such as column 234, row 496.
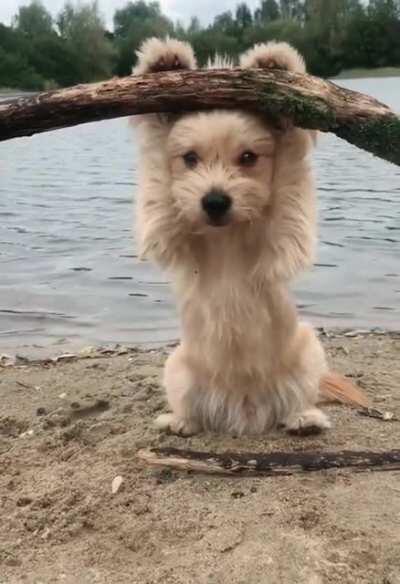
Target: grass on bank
column 367, row 73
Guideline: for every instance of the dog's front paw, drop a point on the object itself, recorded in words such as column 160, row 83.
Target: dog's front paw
column 157, row 55
column 309, row 422
column 174, row 425
column 273, row 56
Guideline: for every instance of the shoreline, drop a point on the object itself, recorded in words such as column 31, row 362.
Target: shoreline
column 36, row 355
column 381, row 73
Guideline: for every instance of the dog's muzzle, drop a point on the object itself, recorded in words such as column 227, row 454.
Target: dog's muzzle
column 216, row 204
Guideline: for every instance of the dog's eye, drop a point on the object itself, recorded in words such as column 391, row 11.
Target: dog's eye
column 191, row 159
column 248, row 158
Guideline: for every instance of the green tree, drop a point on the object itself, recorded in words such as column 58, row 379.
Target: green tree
column 332, row 35
column 56, row 61
column 139, row 11
column 388, row 8
column 46, row 52
column 225, row 23
column 82, row 29
column 244, row 17
column 291, row 9
column 15, row 68
column 34, row 20
column 133, row 24
column 330, row 12
column 194, row 26
column 267, row 12
column 211, row 41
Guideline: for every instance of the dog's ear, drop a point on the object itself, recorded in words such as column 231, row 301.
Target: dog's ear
column 273, row 55
column 157, row 55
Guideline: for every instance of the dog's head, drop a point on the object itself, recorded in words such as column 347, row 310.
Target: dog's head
column 221, row 165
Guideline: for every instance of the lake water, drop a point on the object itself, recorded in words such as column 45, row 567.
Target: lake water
column 69, row 274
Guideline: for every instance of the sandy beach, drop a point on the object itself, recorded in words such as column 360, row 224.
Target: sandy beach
column 69, row 433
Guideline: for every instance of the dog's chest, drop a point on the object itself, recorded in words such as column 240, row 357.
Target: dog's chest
column 225, row 308
column 227, row 332
column 227, row 313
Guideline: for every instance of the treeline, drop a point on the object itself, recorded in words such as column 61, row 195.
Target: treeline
column 38, row 51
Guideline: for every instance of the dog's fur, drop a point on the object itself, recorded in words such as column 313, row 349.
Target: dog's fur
column 245, row 363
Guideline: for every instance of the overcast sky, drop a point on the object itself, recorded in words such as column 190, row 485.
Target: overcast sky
column 175, row 9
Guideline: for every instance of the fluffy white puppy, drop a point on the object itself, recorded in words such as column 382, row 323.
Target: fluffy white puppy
column 226, row 204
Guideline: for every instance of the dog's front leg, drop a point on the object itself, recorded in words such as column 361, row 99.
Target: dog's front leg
column 308, row 422
column 160, row 235
column 303, row 417
column 180, row 383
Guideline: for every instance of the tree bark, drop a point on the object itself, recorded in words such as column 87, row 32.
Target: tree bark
column 275, row 464
column 307, row 101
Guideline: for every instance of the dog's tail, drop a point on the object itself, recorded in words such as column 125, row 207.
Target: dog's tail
column 336, row 388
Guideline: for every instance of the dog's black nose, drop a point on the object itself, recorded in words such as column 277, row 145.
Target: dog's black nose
column 216, row 203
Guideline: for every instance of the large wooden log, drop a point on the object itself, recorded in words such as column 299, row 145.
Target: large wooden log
column 275, row 464
column 308, row 101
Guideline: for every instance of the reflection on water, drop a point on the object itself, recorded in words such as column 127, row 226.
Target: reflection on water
column 68, row 266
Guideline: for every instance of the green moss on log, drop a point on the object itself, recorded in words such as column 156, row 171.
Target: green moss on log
column 311, row 113
column 381, row 137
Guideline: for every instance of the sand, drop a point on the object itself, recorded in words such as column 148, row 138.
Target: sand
column 76, row 505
